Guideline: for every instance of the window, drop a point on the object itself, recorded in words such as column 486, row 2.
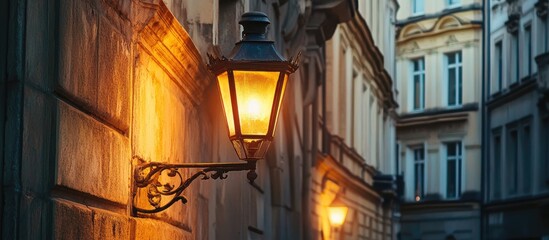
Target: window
column 496, row 167
column 453, row 3
column 544, row 146
column 528, row 48
column 418, row 83
column 544, row 36
column 454, row 78
column 512, row 162
column 499, row 66
column 515, row 75
column 453, row 173
column 417, row 7
column 419, row 173
column 526, row 149
column 545, row 26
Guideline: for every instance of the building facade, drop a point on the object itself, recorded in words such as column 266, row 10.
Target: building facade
column 357, row 117
column 90, row 89
column 516, row 126
column 438, row 65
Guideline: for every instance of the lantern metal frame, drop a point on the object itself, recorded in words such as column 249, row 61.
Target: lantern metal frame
column 253, row 53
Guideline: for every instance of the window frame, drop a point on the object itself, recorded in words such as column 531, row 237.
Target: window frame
column 459, row 169
column 528, row 53
column 512, row 174
column 417, row 197
column 526, row 157
column 544, row 152
column 496, row 165
column 421, row 73
column 458, row 84
column 515, row 59
column 498, row 56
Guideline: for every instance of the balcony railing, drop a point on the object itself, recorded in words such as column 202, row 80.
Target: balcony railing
column 347, row 156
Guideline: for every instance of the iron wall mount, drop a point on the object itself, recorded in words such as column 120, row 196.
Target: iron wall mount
column 146, row 175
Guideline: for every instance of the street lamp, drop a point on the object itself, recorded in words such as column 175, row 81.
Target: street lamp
column 337, row 215
column 337, row 212
column 251, row 82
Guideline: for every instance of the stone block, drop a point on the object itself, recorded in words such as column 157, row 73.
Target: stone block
column 72, row 221
column 108, row 225
column 113, row 102
column 37, row 139
column 35, row 217
column 149, row 229
column 92, row 157
column 39, row 36
column 78, row 51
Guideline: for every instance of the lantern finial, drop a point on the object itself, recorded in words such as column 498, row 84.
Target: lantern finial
column 255, row 26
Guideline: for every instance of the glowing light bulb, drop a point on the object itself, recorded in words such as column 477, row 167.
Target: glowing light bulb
column 254, row 108
column 337, row 215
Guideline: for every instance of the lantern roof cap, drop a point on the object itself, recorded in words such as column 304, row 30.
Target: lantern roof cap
column 254, row 48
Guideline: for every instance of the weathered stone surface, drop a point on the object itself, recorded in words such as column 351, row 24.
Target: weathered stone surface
column 36, row 215
column 39, row 42
column 37, row 139
column 78, row 50
column 165, row 125
column 154, row 229
column 114, row 76
column 92, row 157
column 107, row 225
column 71, row 221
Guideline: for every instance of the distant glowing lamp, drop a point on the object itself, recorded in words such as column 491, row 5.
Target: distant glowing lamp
column 337, row 215
column 252, row 82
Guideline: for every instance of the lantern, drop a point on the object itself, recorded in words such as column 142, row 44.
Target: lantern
column 337, row 215
column 252, row 82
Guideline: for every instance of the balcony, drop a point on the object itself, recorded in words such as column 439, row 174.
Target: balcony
column 355, row 165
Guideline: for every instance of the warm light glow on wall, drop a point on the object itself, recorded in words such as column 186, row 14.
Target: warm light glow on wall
column 337, row 215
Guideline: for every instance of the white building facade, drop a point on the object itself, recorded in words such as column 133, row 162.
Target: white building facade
column 438, row 65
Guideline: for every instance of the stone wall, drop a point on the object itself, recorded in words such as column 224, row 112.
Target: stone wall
column 102, row 83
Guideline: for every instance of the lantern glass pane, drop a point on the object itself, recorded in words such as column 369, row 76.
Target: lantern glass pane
column 223, row 81
column 283, row 90
column 255, row 93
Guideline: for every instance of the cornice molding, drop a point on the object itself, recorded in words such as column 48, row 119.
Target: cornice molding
column 167, row 42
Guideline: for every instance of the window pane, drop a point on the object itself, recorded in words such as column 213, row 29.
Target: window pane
column 499, row 73
column 527, row 167
column 417, row 92
column 451, row 180
column 451, row 58
column 512, row 162
column 451, row 86
column 417, row 6
column 451, row 148
column 459, row 86
column 497, row 167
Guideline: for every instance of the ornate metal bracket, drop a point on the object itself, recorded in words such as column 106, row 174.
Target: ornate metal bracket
column 147, row 176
